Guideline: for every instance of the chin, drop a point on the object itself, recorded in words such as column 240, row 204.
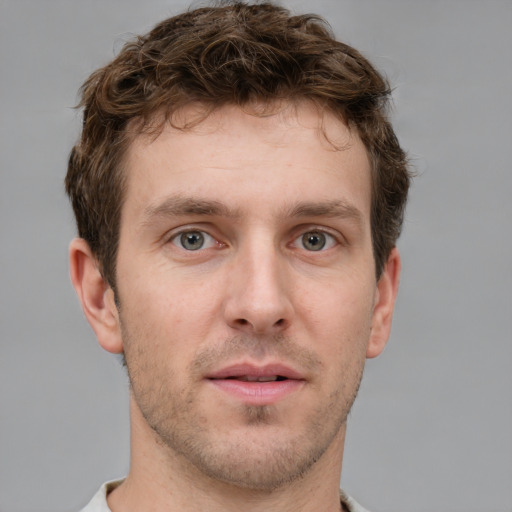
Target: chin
column 261, row 455
column 258, row 468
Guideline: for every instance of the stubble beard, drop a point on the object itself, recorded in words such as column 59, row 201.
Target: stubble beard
column 259, row 462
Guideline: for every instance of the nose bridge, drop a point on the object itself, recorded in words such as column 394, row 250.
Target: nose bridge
column 259, row 298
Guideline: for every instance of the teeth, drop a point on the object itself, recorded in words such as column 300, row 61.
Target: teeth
column 258, row 379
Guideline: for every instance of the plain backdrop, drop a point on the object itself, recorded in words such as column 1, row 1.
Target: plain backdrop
column 432, row 427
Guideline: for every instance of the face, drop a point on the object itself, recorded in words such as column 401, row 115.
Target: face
column 247, row 290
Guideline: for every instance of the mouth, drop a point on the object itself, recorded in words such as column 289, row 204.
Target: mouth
column 251, row 378
column 257, row 385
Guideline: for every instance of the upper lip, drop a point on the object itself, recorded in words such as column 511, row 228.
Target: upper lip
column 252, row 370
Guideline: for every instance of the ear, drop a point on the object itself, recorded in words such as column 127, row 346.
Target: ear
column 96, row 296
column 387, row 289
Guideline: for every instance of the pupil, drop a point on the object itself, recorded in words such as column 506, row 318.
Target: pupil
column 313, row 241
column 192, row 241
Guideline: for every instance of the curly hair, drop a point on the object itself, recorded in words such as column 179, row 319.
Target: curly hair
column 234, row 53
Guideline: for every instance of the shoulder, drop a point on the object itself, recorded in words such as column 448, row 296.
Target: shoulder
column 350, row 504
column 99, row 500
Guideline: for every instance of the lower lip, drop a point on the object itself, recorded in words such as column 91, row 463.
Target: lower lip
column 258, row 393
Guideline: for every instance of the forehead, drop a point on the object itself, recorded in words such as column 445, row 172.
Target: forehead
column 292, row 152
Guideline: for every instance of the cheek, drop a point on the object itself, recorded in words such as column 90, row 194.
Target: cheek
column 339, row 322
column 168, row 311
column 340, row 307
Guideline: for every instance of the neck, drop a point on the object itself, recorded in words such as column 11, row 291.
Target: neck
column 160, row 479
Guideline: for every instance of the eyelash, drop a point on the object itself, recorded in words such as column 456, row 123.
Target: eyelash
column 178, row 239
column 329, row 241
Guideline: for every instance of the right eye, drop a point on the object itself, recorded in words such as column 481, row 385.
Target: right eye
column 193, row 240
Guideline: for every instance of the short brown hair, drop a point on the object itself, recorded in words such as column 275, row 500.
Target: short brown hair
column 235, row 53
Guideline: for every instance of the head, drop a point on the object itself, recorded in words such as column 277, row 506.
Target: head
column 239, row 190
column 235, row 54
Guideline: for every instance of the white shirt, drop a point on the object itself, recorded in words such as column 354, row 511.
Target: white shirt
column 99, row 501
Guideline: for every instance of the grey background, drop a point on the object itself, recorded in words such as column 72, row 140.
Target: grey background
column 432, row 427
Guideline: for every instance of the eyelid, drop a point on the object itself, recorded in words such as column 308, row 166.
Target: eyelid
column 336, row 238
column 210, row 240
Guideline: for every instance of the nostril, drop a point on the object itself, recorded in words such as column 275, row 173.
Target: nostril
column 259, row 321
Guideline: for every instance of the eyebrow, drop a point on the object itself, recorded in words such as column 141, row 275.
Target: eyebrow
column 329, row 209
column 176, row 206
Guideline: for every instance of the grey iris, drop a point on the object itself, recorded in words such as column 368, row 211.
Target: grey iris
column 192, row 240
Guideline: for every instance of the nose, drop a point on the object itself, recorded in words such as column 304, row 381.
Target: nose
column 258, row 298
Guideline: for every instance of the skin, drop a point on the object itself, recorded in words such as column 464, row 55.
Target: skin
column 265, row 192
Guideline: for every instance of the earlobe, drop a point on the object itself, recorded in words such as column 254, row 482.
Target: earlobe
column 387, row 289
column 95, row 295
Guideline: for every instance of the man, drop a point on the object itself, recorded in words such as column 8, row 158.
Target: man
column 239, row 192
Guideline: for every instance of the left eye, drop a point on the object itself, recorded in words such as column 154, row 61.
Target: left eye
column 193, row 240
column 315, row 241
